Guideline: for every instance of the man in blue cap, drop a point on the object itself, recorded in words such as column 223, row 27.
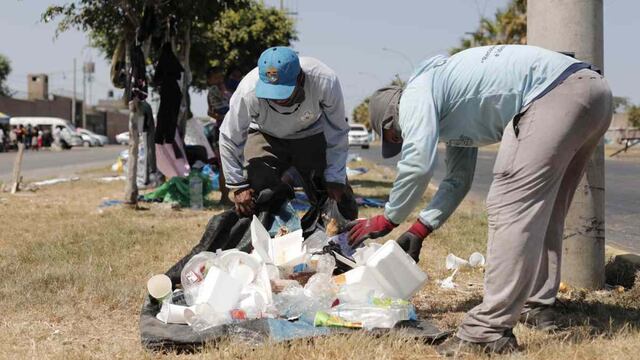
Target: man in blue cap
column 289, row 111
column 548, row 111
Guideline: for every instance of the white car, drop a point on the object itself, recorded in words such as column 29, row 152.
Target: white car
column 101, row 139
column 88, row 141
column 123, row 138
column 358, row 136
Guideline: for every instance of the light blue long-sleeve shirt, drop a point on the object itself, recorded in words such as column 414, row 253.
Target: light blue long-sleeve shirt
column 466, row 101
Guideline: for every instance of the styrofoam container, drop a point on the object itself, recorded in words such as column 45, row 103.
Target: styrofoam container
column 397, row 273
column 363, row 253
column 287, row 249
column 219, row 290
column 363, row 276
column 260, row 239
column 281, row 251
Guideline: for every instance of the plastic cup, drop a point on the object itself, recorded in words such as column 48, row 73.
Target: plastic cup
column 159, row 287
column 173, row 314
column 453, row 262
column 476, row 259
column 243, row 274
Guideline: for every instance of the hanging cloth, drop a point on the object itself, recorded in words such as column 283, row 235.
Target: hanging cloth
column 168, row 72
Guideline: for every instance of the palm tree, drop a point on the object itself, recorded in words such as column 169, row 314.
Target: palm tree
column 507, row 27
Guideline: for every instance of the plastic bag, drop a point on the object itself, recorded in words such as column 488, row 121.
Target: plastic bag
column 316, row 242
column 325, row 264
column 381, row 313
column 291, row 302
column 194, row 273
column 333, row 219
column 322, row 289
column 284, row 221
column 371, row 317
column 213, row 175
column 343, row 241
column 202, row 317
column 318, row 294
column 356, row 294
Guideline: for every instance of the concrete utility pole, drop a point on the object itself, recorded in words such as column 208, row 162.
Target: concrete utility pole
column 73, row 99
column 88, row 68
column 577, row 26
column 84, row 97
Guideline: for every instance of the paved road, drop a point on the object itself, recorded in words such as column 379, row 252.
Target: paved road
column 622, row 206
column 49, row 164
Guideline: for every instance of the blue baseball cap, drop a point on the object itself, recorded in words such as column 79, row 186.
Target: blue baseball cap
column 278, row 68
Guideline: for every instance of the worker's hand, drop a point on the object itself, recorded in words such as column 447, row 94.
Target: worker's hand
column 335, row 190
column 363, row 229
column 411, row 240
column 244, row 201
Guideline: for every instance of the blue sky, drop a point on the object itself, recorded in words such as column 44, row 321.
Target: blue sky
column 348, row 35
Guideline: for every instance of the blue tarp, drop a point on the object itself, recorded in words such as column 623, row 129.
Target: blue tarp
column 301, row 202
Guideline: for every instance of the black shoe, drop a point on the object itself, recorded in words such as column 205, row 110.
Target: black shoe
column 455, row 346
column 541, row 317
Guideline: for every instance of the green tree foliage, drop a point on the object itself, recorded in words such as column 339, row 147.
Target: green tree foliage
column 105, row 22
column 620, row 103
column 221, row 32
column 5, row 69
column 508, row 26
column 634, row 116
column 240, row 35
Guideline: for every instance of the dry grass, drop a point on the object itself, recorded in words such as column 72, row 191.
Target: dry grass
column 73, row 283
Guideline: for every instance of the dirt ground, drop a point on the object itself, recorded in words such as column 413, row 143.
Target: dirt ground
column 73, row 282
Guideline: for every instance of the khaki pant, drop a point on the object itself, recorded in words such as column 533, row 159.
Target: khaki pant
column 542, row 157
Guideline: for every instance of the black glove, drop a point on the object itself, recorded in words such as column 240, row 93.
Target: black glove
column 411, row 244
column 411, row 240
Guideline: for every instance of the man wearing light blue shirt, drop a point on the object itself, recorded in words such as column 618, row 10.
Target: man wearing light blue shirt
column 548, row 111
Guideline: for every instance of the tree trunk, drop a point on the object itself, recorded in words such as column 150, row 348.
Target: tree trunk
column 131, row 186
column 183, row 116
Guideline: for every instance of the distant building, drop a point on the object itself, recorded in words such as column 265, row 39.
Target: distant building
column 110, row 117
column 38, row 87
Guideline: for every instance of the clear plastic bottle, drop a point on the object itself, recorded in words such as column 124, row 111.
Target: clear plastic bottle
column 195, row 192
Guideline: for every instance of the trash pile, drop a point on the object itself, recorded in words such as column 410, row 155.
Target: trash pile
column 288, row 278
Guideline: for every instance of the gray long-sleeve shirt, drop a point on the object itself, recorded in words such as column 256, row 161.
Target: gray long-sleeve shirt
column 322, row 111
